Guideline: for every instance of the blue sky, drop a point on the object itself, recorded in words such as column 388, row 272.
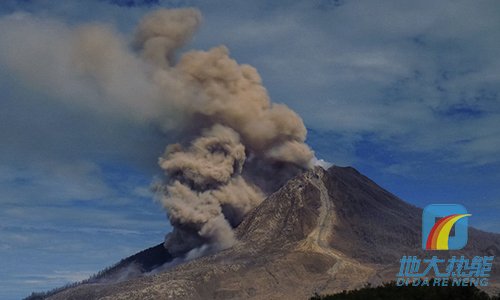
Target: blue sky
column 405, row 91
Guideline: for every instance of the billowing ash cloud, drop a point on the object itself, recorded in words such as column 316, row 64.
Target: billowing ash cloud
column 235, row 145
column 240, row 145
column 162, row 32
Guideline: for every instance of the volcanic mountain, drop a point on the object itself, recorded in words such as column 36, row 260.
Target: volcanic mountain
column 323, row 232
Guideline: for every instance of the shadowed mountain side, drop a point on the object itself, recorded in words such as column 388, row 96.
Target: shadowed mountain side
column 377, row 227
column 324, row 232
column 141, row 262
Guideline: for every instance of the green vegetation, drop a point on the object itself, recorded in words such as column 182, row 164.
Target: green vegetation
column 390, row 291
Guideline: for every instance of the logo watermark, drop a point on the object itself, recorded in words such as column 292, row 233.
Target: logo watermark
column 454, row 271
column 438, row 221
column 444, row 227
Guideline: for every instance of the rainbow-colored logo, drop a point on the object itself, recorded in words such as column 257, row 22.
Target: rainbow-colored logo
column 438, row 221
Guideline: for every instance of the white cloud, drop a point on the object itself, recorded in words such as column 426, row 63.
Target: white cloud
column 60, row 182
column 386, row 68
column 56, row 277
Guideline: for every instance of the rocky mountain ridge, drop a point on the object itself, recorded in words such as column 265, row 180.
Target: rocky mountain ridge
column 323, row 232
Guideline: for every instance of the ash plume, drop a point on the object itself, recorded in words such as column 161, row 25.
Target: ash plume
column 235, row 146
column 237, row 136
column 162, row 32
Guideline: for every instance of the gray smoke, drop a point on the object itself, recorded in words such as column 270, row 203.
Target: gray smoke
column 241, row 145
column 235, row 145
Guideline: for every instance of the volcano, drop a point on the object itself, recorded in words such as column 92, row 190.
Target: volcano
column 324, row 231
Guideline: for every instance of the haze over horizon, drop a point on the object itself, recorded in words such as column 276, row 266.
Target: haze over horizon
column 405, row 92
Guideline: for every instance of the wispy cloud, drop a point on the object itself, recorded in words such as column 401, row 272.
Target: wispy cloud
column 55, row 277
column 389, row 73
column 401, row 89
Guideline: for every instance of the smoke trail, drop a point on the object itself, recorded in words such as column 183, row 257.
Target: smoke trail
column 236, row 146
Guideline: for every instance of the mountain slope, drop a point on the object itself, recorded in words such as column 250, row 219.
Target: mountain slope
column 324, row 232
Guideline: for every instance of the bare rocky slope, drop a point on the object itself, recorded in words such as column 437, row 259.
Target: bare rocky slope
column 322, row 232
